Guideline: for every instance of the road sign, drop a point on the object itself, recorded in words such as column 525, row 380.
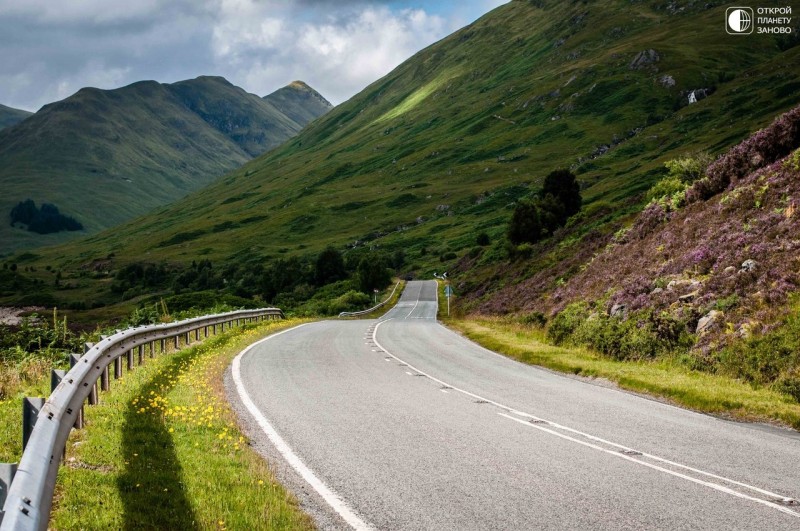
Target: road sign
column 448, row 291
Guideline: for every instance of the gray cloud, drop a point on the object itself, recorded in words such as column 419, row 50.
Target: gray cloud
column 52, row 49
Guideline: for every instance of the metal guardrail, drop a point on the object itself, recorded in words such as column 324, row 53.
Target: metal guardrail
column 364, row 312
column 29, row 497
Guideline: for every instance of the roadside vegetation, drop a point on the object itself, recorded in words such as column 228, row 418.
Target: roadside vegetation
column 162, row 450
column 666, row 377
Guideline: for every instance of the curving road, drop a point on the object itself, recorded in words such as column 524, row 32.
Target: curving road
column 399, row 423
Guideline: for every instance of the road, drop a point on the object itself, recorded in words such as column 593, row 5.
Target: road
column 400, row 423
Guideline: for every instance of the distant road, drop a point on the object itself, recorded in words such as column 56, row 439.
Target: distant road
column 402, row 424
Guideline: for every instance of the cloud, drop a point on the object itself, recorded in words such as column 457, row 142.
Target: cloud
column 337, row 55
column 52, row 49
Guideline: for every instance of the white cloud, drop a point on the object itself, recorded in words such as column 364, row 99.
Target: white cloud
column 338, row 55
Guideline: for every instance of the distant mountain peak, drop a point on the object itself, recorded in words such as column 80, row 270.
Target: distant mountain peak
column 299, row 101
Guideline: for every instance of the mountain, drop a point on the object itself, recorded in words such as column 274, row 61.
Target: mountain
column 437, row 152
column 299, row 102
column 106, row 156
column 10, row 116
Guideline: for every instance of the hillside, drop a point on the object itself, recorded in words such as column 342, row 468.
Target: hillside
column 106, row 156
column 438, row 151
column 10, row 116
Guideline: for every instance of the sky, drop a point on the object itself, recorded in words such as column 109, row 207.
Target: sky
column 52, row 48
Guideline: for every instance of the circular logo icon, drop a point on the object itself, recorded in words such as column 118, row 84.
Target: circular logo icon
column 739, row 20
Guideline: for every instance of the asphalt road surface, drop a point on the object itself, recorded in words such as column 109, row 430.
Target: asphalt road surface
column 399, row 423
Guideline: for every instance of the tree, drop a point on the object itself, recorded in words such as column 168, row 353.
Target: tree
column 563, row 186
column 525, row 224
column 552, row 213
column 329, row 267
column 372, row 273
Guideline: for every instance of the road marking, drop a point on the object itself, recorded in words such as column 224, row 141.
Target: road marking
column 409, row 313
column 330, row 497
column 714, row 486
column 542, row 421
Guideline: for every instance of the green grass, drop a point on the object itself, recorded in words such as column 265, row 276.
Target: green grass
column 665, row 378
column 162, row 450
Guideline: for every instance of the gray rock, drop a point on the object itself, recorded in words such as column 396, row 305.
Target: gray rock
column 729, row 270
column 707, row 321
column 689, row 297
column 667, row 80
column 618, row 310
column 644, row 58
column 749, row 265
column 656, row 291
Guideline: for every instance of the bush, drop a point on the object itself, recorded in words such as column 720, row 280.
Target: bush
column 537, row 319
column 564, row 324
column 483, row 239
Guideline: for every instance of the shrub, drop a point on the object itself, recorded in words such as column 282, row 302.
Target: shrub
column 534, row 319
column 483, row 239
column 564, row 324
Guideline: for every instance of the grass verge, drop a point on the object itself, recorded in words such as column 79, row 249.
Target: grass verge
column 664, row 378
column 162, row 450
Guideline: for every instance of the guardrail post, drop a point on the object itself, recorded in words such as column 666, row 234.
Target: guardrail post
column 163, row 346
column 117, row 367
column 152, row 349
column 129, row 356
column 56, row 376
column 30, row 412
column 197, row 334
column 74, row 359
column 140, row 352
column 7, row 472
column 177, row 342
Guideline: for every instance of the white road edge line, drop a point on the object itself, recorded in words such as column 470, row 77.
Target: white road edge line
column 330, row 497
column 598, row 439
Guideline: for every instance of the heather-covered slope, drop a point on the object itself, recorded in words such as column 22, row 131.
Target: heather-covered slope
column 105, row 156
column 10, row 116
column 709, row 273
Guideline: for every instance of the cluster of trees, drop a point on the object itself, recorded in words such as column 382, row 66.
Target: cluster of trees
column 288, row 281
column 42, row 221
column 536, row 218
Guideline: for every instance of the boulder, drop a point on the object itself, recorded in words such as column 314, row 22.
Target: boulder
column 644, row 58
column 707, row 321
column 618, row 310
column 748, row 265
column 729, row 270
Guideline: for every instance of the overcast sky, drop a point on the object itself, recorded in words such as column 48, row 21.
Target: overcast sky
column 51, row 48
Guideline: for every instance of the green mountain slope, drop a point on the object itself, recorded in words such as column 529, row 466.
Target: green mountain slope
column 10, row 116
column 299, row 102
column 106, row 156
column 438, row 151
